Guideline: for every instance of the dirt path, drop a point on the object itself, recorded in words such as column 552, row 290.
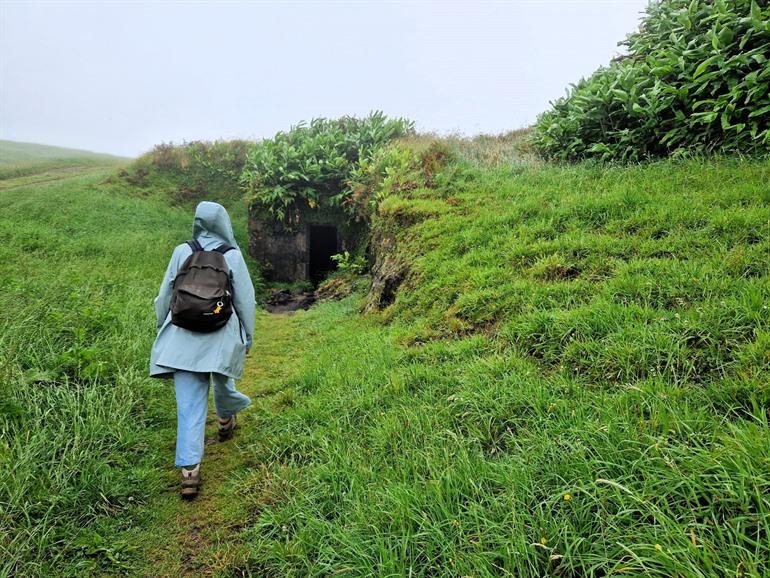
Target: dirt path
column 200, row 538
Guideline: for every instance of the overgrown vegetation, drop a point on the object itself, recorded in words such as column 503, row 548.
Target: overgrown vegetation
column 183, row 175
column 695, row 79
column 572, row 381
column 311, row 163
column 402, row 167
column 85, row 434
column 568, row 374
column 82, row 427
column 192, row 171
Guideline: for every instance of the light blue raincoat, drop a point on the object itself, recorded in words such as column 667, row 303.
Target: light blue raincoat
column 222, row 351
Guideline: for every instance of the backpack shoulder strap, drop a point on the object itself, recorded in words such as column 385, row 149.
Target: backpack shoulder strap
column 195, row 245
column 224, row 249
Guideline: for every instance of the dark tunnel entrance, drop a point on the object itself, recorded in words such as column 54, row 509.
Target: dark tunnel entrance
column 322, row 244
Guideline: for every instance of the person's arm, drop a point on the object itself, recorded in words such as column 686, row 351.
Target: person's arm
column 163, row 300
column 243, row 300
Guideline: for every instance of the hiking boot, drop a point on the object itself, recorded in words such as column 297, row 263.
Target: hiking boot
column 191, row 480
column 226, row 427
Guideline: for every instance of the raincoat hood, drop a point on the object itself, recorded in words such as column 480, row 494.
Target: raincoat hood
column 212, row 225
column 224, row 350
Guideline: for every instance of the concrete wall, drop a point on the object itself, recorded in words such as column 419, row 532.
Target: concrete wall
column 284, row 254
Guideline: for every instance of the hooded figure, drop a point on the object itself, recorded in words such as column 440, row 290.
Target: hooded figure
column 222, row 351
column 194, row 359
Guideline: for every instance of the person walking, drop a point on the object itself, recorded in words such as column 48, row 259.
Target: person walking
column 205, row 312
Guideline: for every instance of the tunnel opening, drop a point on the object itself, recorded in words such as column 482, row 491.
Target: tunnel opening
column 322, row 244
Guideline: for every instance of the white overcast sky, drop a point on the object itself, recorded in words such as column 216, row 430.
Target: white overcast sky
column 119, row 77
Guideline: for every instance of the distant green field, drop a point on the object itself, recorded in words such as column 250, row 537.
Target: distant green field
column 20, row 153
column 19, row 159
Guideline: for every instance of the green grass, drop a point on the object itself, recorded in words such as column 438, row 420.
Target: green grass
column 20, row 153
column 84, row 432
column 80, row 419
column 572, row 381
column 18, row 159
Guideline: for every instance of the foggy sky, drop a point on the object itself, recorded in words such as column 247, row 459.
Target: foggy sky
column 119, row 77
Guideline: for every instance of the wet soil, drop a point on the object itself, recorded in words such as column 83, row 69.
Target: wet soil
column 286, row 301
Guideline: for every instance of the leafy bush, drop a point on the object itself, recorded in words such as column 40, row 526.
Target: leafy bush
column 404, row 167
column 349, row 264
column 312, row 163
column 696, row 79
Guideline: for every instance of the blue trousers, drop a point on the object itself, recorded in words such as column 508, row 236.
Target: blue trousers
column 192, row 401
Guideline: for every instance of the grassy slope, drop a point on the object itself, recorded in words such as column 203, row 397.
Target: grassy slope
column 84, row 433
column 18, row 159
column 22, row 153
column 79, row 417
column 573, row 381
column 597, row 334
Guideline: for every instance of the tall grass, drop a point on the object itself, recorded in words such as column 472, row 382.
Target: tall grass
column 189, row 172
column 80, row 421
column 572, row 381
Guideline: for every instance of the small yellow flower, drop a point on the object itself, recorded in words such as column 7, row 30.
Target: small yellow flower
column 543, row 540
column 456, row 523
column 567, row 497
column 658, row 547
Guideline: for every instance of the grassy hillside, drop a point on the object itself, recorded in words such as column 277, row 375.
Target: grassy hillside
column 23, row 153
column 84, row 433
column 572, row 381
column 45, row 163
column 79, row 419
column 183, row 175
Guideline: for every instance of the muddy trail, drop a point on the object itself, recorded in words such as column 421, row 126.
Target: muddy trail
column 287, row 300
column 200, row 537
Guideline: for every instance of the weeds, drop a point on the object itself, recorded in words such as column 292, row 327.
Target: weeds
column 310, row 163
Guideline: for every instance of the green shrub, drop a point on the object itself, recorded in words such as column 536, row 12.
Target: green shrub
column 312, row 162
column 404, row 168
column 349, row 264
column 696, row 79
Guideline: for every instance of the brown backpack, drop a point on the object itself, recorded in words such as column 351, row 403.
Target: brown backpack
column 202, row 299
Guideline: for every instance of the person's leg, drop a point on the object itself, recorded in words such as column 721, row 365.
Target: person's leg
column 192, row 399
column 227, row 400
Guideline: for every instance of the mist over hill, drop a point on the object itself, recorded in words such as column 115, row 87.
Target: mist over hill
column 17, row 153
